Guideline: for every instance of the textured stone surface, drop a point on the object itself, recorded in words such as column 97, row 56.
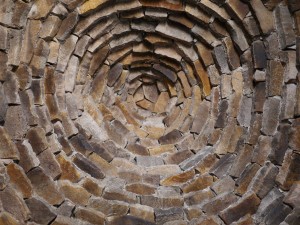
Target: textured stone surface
column 149, row 112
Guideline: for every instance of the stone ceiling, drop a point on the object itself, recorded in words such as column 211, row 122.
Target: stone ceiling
column 149, row 112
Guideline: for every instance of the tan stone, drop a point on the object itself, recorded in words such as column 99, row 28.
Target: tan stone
column 7, row 148
column 157, row 150
column 198, row 183
column 178, row 179
column 69, row 172
column 142, row 211
column 44, row 186
column 202, row 74
column 75, row 193
column 198, row 197
column 106, row 167
column 90, row 215
column 141, row 189
column 92, row 186
column 19, row 180
column 7, row 219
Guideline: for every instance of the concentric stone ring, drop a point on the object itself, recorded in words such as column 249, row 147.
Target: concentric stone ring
column 149, row 112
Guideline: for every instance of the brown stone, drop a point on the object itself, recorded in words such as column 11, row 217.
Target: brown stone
column 8, row 149
column 28, row 159
column 77, row 194
column 37, row 139
column 271, row 111
column 178, row 157
column 13, row 204
column 64, row 220
column 142, row 211
column 112, row 193
column 198, row 197
column 92, row 186
column 90, row 215
column 198, row 183
column 197, row 13
column 225, row 184
column 50, row 27
column 141, row 189
column 288, row 172
column 88, row 166
column 223, row 165
column 259, row 55
column 274, row 78
column 44, row 186
column 19, row 180
column 170, row 138
column 283, row 20
column 40, row 211
column 292, row 197
column 65, row 52
column 7, row 219
column 169, row 74
column 98, row 58
column 137, row 149
column 41, row 9
column 109, row 208
column 10, row 88
column 114, row 74
column 52, row 105
column 67, row 25
column 247, row 204
column 128, row 220
column 49, row 164
column 219, row 203
column 68, row 171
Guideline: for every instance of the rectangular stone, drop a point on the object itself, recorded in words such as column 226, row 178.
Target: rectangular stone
column 271, row 111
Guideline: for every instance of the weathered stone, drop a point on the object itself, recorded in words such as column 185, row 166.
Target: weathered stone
column 8, row 219
column 142, row 211
column 243, row 157
column 288, row 172
column 179, row 179
column 223, row 165
column 264, row 180
column 19, row 180
column 90, row 215
column 166, row 72
column 259, row 55
column 233, row 58
column 109, row 207
column 15, row 42
column 41, row 212
column 279, row 144
column 65, row 52
column 38, row 88
column 28, row 159
column 4, row 177
column 129, row 220
column 75, row 193
column 8, row 149
column 247, row 204
column 203, row 34
column 259, row 96
column 64, row 220
column 12, row 203
column 170, row 138
column 244, row 117
column 10, row 88
column 67, row 26
column 274, row 78
column 226, row 87
column 197, row 13
column 292, row 197
column 66, row 208
column 41, row 9
column 219, row 203
column 88, row 166
column 263, row 15
column 114, row 74
column 173, row 32
column 147, row 161
column 92, row 186
column 221, row 59
column 4, row 38
column 199, row 122
column 98, row 58
column 283, row 23
column 39, row 59
column 289, row 101
column 165, row 215
column 44, row 186
column 49, row 164
column 226, row 184
column 50, row 27
column 238, row 36
column 271, row 111
column 198, row 183
column 37, row 139
column 68, row 171
column 111, row 193
column 3, row 65
column 198, row 197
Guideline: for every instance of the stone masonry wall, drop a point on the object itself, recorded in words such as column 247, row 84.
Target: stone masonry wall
column 140, row 112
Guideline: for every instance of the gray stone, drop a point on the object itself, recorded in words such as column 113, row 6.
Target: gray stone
column 244, row 116
column 271, row 111
column 221, row 59
column 259, row 55
column 15, row 122
column 164, row 215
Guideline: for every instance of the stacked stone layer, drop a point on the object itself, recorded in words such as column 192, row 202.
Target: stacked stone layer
column 149, row 112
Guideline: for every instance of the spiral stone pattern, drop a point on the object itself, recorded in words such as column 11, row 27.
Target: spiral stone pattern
column 140, row 112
